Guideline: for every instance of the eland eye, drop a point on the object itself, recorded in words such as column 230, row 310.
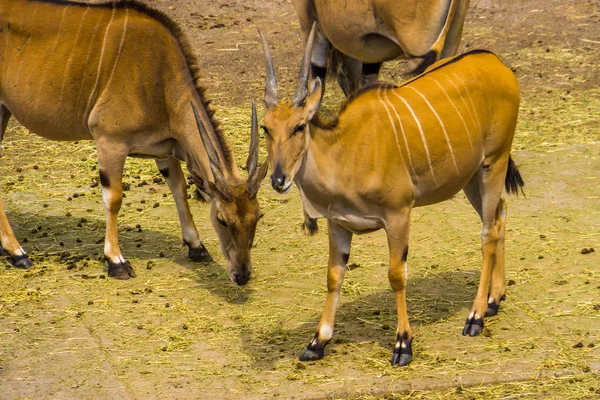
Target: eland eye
column 298, row 129
column 265, row 131
column 222, row 222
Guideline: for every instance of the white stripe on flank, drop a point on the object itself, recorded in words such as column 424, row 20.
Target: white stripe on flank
column 402, row 130
column 60, row 27
column 120, row 45
column 51, row 53
column 17, row 46
column 455, row 108
column 86, row 63
column 470, row 100
column 95, row 90
column 475, row 122
column 70, row 60
column 441, row 124
column 420, row 131
column 387, row 109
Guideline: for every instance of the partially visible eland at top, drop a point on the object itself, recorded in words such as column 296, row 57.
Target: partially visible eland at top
column 355, row 36
column 123, row 74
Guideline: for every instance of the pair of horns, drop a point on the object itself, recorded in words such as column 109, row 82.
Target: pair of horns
column 271, row 87
column 215, row 166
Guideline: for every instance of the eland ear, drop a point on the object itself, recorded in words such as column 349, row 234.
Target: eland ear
column 255, row 180
column 313, row 100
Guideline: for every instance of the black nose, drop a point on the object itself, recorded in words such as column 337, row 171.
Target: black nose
column 278, row 181
column 242, row 276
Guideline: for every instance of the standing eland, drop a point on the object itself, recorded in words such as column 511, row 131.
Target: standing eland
column 392, row 148
column 123, row 74
column 356, row 36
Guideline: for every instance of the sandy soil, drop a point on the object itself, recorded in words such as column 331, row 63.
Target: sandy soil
column 182, row 330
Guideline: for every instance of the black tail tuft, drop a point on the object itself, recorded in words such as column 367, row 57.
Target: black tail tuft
column 513, row 181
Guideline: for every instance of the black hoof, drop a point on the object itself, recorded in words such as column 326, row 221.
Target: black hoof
column 402, row 354
column 199, row 254
column 314, row 351
column 312, row 355
column 21, row 261
column 473, row 326
column 121, row 271
column 493, row 308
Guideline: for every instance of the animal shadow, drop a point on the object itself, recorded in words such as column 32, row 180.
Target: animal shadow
column 372, row 318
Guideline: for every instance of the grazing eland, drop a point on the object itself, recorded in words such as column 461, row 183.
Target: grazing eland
column 354, row 37
column 392, row 148
column 123, row 74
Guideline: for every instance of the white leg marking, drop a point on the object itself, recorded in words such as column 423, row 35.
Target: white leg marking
column 95, row 90
column 491, row 300
column 472, row 314
column 70, row 59
column 120, row 45
column 385, row 103
column 325, row 332
column 441, row 124
column 420, row 131
column 470, row 100
column 455, row 108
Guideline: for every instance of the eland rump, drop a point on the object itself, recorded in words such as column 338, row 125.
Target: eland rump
column 392, row 148
column 123, row 74
column 355, row 36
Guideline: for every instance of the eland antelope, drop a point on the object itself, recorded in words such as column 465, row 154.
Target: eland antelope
column 123, row 74
column 356, row 36
column 392, row 148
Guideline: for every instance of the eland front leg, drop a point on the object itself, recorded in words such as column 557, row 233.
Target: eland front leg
column 397, row 233
column 340, row 240
column 111, row 160
column 171, row 171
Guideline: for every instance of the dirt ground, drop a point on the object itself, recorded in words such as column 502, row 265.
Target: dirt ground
column 182, row 330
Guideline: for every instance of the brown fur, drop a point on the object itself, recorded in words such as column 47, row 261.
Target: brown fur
column 186, row 48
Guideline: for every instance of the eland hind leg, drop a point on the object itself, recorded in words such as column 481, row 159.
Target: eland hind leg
column 171, row 171
column 17, row 255
column 484, row 192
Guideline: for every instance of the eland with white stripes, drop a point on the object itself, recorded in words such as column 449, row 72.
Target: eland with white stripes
column 390, row 149
column 123, row 74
